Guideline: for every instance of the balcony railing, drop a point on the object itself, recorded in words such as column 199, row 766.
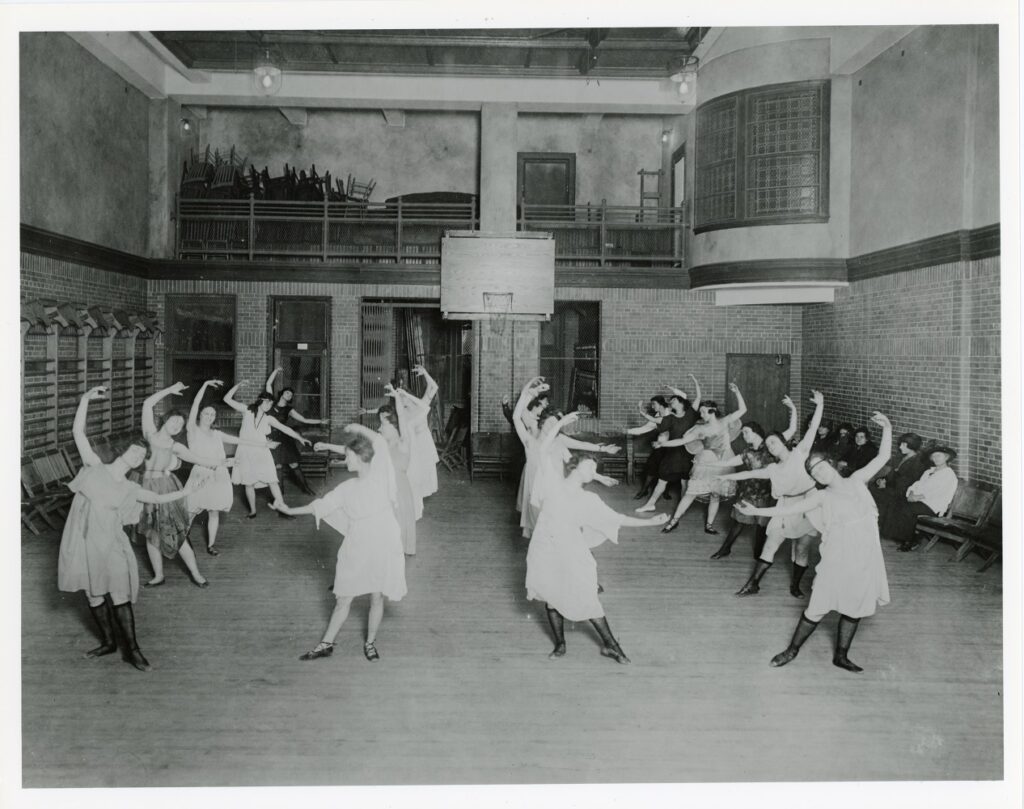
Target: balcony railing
column 410, row 232
column 610, row 235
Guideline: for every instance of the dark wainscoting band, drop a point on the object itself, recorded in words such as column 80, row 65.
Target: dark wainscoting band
column 65, row 248
column 958, row 245
column 766, row 271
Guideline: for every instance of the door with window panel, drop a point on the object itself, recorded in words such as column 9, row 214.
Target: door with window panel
column 300, row 346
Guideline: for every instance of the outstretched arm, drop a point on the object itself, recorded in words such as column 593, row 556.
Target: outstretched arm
column 741, row 406
column 270, row 380
column 809, row 503
column 791, row 429
column 812, row 429
column 146, row 496
column 193, row 414
column 695, row 433
column 747, row 474
column 188, row 455
column 865, row 473
column 641, row 522
column 227, row 438
column 229, row 399
column 573, row 443
column 148, row 423
column 303, row 420
column 284, row 428
column 323, row 446
column 89, row 456
column 550, row 432
column 651, row 426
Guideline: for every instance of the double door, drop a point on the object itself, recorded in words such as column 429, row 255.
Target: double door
column 300, row 345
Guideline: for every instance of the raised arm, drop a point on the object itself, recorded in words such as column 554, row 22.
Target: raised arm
column 529, row 391
column 89, row 456
column 270, row 380
column 812, row 429
column 695, row 404
column 865, row 473
column 791, row 429
column 422, row 405
column 197, row 402
column 506, row 409
column 148, row 422
column 431, row 390
column 647, row 416
column 404, row 428
column 229, row 399
column 284, row 428
column 741, row 406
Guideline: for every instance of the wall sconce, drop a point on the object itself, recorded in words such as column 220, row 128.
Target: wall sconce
column 186, row 126
column 266, row 75
column 683, row 73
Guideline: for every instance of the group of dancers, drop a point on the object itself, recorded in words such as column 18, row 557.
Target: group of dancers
column 800, row 492
column 377, row 510
column 813, row 492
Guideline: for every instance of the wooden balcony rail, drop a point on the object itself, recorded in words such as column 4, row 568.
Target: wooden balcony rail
column 611, row 235
column 410, row 232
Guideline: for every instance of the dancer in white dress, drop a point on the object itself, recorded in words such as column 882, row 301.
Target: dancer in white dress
column 423, row 458
column 560, row 568
column 851, row 576
column 370, row 559
column 254, row 464
column 216, row 494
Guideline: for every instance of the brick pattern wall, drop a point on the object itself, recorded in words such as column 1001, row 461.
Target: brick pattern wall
column 252, row 306
column 921, row 346
column 64, row 281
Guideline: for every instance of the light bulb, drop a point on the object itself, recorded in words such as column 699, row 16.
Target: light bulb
column 684, row 87
column 267, row 81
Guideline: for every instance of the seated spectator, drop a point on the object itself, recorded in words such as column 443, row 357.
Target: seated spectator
column 931, row 495
column 890, row 490
column 860, row 453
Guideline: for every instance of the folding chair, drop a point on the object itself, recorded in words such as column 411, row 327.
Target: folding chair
column 968, row 512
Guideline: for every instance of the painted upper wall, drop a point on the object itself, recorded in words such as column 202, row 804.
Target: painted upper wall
column 924, row 155
column 84, row 146
column 609, row 149
column 434, row 151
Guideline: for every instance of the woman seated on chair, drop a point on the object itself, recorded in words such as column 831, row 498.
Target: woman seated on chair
column 929, row 497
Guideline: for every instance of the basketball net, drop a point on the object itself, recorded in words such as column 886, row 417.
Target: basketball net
column 498, row 306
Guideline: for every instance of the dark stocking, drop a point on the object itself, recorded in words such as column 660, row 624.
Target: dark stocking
column 794, row 582
column 609, row 646
column 844, row 637
column 734, row 531
column 301, row 480
column 803, row 631
column 752, row 584
column 104, row 618
column 760, row 536
column 646, row 489
column 125, row 618
column 557, row 624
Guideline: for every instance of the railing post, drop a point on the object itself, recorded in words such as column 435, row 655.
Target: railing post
column 604, row 230
column 398, row 234
column 326, row 230
column 177, row 226
column 252, row 224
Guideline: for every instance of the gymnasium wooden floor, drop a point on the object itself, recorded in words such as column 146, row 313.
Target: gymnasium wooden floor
column 464, row 692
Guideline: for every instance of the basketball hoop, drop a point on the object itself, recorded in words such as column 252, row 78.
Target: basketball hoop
column 498, row 306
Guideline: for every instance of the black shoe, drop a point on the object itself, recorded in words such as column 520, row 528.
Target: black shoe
column 202, row 585
column 795, row 591
column 670, row 526
column 322, row 649
column 782, row 658
column 710, row 529
column 667, row 496
column 559, row 651
column 136, row 658
column 251, row 515
column 210, row 549
column 751, row 588
column 909, row 545
column 370, row 651
column 843, row 662
column 615, row 653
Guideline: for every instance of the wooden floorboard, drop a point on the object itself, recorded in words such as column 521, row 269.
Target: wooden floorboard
column 464, row 692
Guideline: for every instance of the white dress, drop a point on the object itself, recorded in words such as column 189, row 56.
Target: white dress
column 215, row 493
column 254, row 466
column 560, row 569
column 790, row 482
column 371, row 558
column 548, row 472
column 850, row 577
column 423, row 459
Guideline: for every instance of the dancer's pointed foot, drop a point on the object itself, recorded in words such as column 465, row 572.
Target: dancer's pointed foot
column 782, row 658
column 710, row 529
column 251, row 515
column 796, row 592
column 670, row 526
column 370, row 651
column 615, row 653
column 322, row 649
column 644, row 508
column 155, row 582
column 136, row 658
column 751, row 588
column 844, row 662
column 559, row 651
column 100, row 651
column 721, row 553
column 210, row 549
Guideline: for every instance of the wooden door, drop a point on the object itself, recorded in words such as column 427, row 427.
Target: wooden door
column 300, row 345
column 763, row 379
column 546, row 178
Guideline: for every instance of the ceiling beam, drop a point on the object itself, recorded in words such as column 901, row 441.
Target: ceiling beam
column 169, row 59
column 128, row 57
column 845, row 63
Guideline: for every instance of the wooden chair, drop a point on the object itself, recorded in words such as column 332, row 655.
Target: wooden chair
column 989, row 537
column 453, row 454
column 54, row 473
column 490, row 455
column 359, row 192
column 34, row 502
column 968, row 512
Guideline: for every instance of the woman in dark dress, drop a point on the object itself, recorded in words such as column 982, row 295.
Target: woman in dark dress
column 890, row 491
column 653, row 414
column 287, row 452
column 861, row 453
column 676, row 462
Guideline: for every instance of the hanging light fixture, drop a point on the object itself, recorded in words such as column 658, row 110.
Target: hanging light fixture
column 266, row 75
column 684, row 75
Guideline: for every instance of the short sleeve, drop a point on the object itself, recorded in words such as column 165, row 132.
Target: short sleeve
column 599, row 521
column 334, row 508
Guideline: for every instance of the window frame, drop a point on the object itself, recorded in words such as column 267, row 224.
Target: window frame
column 171, row 355
column 599, row 309
column 742, row 160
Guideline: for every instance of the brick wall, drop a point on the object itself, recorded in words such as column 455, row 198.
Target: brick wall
column 64, row 281
column 921, row 346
